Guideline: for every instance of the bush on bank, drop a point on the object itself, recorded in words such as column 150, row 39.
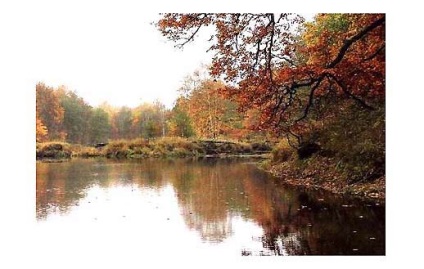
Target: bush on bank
column 349, row 156
column 143, row 148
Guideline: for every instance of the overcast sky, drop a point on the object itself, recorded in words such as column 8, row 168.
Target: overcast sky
column 111, row 53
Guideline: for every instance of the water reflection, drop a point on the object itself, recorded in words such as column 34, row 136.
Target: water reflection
column 225, row 202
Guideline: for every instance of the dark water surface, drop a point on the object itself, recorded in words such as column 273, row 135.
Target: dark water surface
column 213, row 206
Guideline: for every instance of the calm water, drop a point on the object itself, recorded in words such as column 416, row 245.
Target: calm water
column 214, row 207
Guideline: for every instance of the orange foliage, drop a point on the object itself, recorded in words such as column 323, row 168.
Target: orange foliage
column 279, row 65
column 40, row 131
column 49, row 113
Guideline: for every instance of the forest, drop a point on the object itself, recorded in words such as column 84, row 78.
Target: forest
column 200, row 111
column 314, row 91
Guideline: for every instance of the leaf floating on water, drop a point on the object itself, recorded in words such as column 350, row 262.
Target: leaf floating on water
column 361, row 217
column 355, row 249
column 372, row 238
column 354, row 232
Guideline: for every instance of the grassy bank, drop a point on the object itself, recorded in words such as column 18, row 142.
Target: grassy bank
column 320, row 172
column 179, row 147
column 162, row 147
column 347, row 156
column 62, row 151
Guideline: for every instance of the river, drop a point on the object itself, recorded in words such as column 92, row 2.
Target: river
column 222, row 207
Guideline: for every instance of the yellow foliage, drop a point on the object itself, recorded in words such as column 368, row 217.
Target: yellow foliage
column 40, row 131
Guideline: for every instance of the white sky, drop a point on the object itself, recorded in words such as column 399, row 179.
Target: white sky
column 111, row 52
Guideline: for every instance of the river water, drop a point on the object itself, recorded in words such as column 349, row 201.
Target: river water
column 222, row 207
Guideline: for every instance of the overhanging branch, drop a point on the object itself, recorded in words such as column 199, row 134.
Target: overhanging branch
column 348, row 93
column 310, row 99
column 350, row 41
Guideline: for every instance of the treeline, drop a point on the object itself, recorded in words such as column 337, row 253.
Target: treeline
column 62, row 115
column 200, row 112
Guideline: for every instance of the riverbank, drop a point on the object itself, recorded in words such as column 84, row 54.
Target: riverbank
column 329, row 172
column 320, row 170
column 159, row 148
column 329, row 180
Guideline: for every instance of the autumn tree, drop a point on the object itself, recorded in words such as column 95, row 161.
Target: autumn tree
column 121, row 123
column 210, row 114
column 149, row 120
column 162, row 114
column 279, row 67
column 41, row 131
column 49, row 114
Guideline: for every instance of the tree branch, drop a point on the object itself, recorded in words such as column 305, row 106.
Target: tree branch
column 348, row 93
column 271, row 40
column 374, row 54
column 350, row 41
column 310, row 99
column 191, row 38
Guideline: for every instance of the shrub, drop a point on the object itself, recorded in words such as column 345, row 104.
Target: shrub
column 356, row 140
column 282, row 152
column 54, row 149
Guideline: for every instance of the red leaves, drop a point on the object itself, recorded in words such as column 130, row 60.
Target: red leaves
column 281, row 69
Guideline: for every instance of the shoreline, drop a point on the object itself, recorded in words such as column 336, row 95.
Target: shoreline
column 289, row 173
column 374, row 191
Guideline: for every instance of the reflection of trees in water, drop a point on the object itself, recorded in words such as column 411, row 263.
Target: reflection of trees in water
column 60, row 185
column 210, row 192
column 210, row 230
column 300, row 223
column 203, row 196
column 274, row 209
